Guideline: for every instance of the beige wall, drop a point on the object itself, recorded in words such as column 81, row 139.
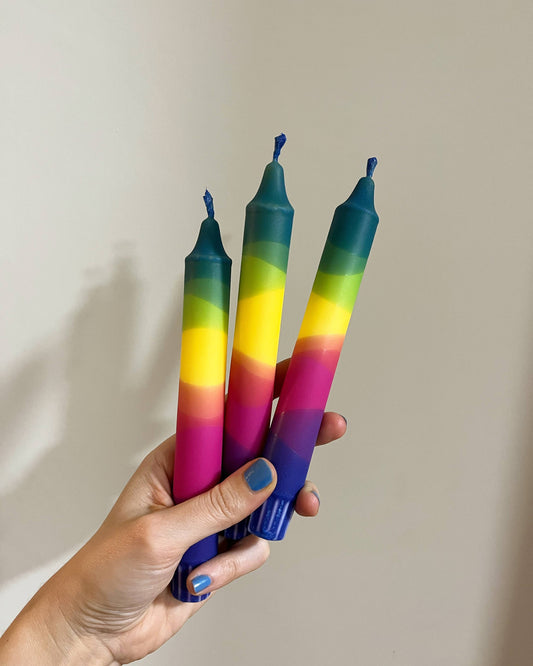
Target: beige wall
column 114, row 117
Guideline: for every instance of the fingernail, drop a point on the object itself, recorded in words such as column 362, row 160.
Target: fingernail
column 314, row 492
column 199, row 583
column 258, row 475
column 345, row 419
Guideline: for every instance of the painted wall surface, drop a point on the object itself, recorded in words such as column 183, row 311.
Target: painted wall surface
column 114, row 117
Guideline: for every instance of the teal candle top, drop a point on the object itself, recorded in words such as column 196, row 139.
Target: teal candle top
column 208, row 267
column 209, row 243
column 343, row 246
column 269, row 214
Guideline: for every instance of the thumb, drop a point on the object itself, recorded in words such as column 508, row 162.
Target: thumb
column 224, row 505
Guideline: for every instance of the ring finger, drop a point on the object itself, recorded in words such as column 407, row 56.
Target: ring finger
column 242, row 558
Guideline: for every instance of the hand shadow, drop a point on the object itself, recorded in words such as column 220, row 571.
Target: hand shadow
column 109, row 420
column 513, row 638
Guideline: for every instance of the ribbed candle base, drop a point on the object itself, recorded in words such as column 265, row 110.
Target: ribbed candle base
column 196, row 555
column 178, row 585
column 238, row 531
column 270, row 521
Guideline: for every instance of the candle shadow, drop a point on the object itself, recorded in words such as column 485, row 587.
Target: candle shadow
column 513, row 642
column 109, row 421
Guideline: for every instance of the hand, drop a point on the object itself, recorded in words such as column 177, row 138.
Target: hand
column 111, row 600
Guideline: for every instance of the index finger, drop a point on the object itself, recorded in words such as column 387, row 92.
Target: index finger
column 281, row 371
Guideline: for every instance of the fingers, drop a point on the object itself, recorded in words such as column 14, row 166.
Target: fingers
column 332, row 427
column 246, row 556
column 224, row 505
column 281, row 371
column 150, row 487
column 308, row 500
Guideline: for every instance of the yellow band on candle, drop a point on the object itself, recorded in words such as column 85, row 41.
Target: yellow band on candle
column 322, row 317
column 203, row 356
column 257, row 326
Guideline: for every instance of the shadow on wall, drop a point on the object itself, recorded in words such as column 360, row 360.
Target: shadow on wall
column 513, row 642
column 108, row 421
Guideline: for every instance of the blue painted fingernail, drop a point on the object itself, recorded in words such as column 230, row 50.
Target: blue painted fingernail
column 258, row 475
column 199, row 583
column 314, row 492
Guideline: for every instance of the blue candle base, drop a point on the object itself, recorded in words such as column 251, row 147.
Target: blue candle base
column 198, row 554
column 271, row 519
column 238, row 531
column 178, row 585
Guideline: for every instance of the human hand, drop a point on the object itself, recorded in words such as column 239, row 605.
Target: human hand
column 111, row 600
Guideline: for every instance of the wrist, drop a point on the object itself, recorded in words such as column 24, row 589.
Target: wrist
column 42, row 634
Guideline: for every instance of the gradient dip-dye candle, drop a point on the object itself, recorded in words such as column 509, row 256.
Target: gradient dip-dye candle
column 200, row 419
column 305, row 391
column 265, row 253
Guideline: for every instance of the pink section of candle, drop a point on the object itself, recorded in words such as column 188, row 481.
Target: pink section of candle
column 198, row 456
column 248, row 410
column 308, row 380
column 251, row 382
column 248, row 424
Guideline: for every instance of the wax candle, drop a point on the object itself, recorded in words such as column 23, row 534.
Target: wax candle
column 265, row 252
column 200, row 420
column 305, row 391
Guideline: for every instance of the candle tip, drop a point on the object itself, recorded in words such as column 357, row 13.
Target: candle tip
column 279, row 142
column 371, row 166
column 208, row 199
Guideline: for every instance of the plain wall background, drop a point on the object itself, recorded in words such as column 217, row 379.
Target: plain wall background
column 114, row 117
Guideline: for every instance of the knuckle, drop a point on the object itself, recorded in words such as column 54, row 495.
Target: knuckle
column 231, row 569
column 146, row 532
column 265, row 550
column 240, row 562
column 223, row 502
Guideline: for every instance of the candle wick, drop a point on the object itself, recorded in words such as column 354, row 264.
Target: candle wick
column 279, row 142
column 371, row 166
column 208, row 199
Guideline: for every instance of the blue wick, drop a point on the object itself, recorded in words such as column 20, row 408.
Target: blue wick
column 371, row 166
column 208, row 199
column 279, row 142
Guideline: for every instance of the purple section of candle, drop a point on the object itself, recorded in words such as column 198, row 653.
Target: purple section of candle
column 298, row 417
column 254, row 422
column 298, row 429
column 289, row 453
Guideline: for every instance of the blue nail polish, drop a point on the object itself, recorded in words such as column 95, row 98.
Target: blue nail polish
column 199, row 583
column 314, row 492
column 258, row 475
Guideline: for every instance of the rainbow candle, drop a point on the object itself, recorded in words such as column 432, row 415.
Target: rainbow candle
column 305, row 391
column 265, row 252
column 200, row 421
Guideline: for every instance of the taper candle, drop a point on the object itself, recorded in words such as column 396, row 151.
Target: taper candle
column 265, row 252
column 200, row 420
column 305, row 391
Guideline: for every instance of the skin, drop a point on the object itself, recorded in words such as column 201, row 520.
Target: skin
column 111, row 604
